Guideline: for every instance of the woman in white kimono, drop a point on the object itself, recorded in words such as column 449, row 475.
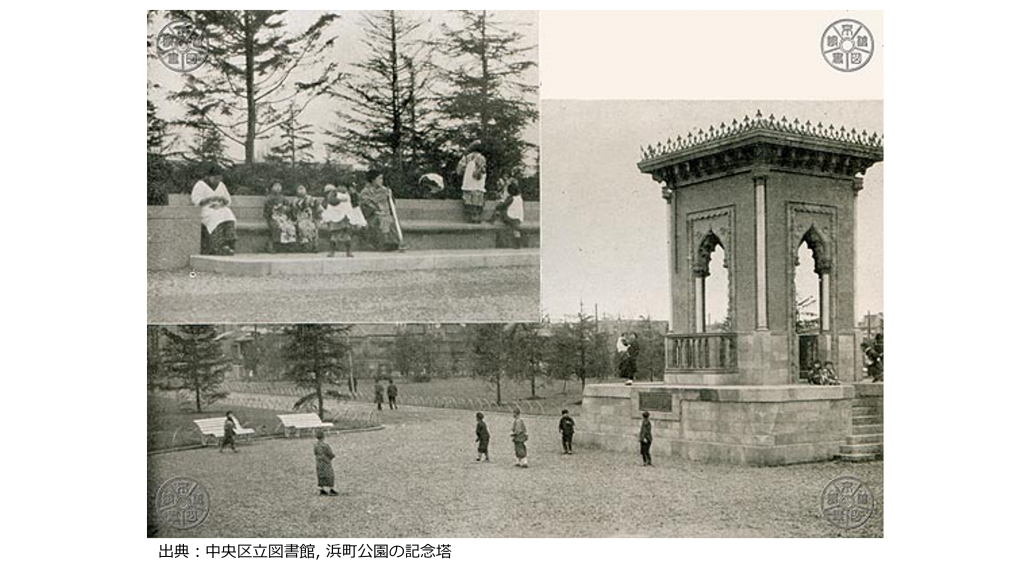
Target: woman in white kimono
column 218, row 222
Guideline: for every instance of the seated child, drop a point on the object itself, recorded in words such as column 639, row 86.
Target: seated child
column 510, row 212
column 340, row 218
column 306, row 213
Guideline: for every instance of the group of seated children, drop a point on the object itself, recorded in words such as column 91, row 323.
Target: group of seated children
column 296, row 222
column 823, row 375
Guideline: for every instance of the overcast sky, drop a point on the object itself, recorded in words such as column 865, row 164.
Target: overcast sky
column 348, row 49
column 605, row 233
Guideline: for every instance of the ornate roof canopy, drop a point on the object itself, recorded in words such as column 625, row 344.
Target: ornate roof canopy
column 782, row 144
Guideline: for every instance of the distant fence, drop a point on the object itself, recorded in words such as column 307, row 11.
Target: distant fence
column 270, row 395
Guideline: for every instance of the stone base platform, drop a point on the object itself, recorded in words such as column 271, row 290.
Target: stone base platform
column 309, row 264
column 735, row 424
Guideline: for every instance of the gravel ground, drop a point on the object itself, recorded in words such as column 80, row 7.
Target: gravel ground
column 169, row 427
column 417, row 478
column 452, row 295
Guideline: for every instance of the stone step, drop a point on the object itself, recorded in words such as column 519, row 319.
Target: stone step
column 254, row 236
column 867, row 429
column 859, row 457
column 862, row 410
column 861, row 449
column 869, row 438
column 277, row 264
column 867, row 419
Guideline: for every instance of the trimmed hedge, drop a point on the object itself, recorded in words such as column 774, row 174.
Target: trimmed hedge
column 165, row 177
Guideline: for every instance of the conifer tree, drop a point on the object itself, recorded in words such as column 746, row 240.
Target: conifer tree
column 193, row 361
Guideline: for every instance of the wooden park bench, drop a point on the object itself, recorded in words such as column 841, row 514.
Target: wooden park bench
column 300, row 421
column 215, row 428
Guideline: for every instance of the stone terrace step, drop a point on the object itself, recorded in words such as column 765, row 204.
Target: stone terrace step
column 859, row 457
column 865, row 410
column 869, row 438
column 862, row 449
column 277, row 264
column 867, row 429
column 867, row 419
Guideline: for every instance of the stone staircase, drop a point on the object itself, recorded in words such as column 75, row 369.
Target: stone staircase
column 865, row 440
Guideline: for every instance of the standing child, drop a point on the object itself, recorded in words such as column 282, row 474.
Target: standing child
column 519, row 438
column 483, row 438
column 324, row 470
column 378, row 393
column 473, row 168
column 645, row 439
column 566, row 426
column 229, row 433
column 392, row 394
column 340, row 218
column 627, row 363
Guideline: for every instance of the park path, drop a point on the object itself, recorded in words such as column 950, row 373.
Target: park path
column 418, row 478
column 453, row 295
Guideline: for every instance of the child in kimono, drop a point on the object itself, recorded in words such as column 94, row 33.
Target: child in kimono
column 510, row 211
column 483, row 438
column 828, row 375
column 567, row 427
column 646, row 438
column 473, row 168
column 229, row 433
column 392, row 394
column 519, row 438
column 324, row 470
column 815, row 375
column 378, row 392
column 306, row 213
column 278, row 213
column 340, row 218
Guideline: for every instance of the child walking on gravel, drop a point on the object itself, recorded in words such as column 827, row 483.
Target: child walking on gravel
column 483, row 438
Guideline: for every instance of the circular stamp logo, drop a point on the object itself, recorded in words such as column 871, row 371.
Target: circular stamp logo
column 847, row 45
column 182, row 47
column 182, row 503
column 847, row 503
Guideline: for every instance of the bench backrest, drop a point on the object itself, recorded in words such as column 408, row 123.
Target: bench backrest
column 300, row 420
column 250, row 208
column 211, row 426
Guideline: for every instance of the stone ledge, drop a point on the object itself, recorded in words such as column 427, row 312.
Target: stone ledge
column 869, row 389
column 413, row 226
column 613, row 390
column 278, row 264
column 728, row 393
